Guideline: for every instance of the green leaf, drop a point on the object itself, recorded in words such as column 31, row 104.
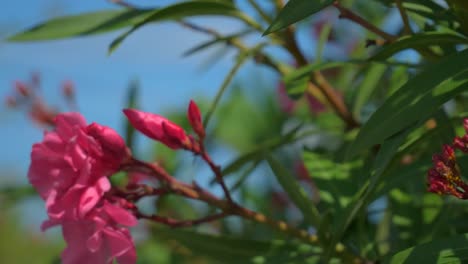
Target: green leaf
column 334, row 180
column 217, row 40
column 226, row 249
column 416, row 100
column 451, row 250
column 294, row 11
column 179, row 11
column 295, row 192
column 132, row 95
column 418, row 41
column 370, row 83
column 296, row 80
column 82, row 25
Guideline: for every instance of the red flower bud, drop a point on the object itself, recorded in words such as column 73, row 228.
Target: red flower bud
column 158, row 128
column 10, row 102
column 22, row 89
column 194, row 116
column 68, row 90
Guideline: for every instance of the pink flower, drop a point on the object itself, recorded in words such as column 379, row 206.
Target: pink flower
column 102, row 237
column 158, row 128
column 70, row 170
column 445, row 177
column 194, row 117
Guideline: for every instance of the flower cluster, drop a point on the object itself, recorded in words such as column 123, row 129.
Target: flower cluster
column 445, row 176
column 70, row 170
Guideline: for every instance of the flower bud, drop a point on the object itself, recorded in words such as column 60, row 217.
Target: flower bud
column 158, row 128
column 194, row 117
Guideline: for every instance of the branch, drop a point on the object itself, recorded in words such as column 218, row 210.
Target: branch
column 404, row 17
column 174, row 223
column 348, row 14
column 319, row 82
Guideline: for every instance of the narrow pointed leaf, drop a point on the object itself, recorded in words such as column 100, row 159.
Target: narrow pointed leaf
column 295, row 192
column 294, row 11
column 224, row 249
column 418, row 41
column 179, row 11
column 81, row 25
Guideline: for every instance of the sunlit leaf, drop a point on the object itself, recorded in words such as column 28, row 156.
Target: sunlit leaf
column 418, row 41
column 82, row 25
column 416, row 100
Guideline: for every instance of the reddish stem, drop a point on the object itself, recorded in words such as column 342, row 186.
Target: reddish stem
column 174, row 223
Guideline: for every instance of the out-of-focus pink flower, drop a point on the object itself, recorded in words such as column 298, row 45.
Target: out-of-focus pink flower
column 287, row 105
column 158, row 128
column 194, row 117
column 22, row 89
column 102, row 237
column 315, row 105
column 68, row 90
column 10, row 102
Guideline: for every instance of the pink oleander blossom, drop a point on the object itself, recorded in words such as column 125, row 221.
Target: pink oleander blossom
column 70, row 170
column 445, row 175
column 101, row 237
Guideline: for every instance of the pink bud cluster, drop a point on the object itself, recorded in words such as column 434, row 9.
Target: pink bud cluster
column 70, row 170
column 445, row 176
column 161, row 129
column 27, row 95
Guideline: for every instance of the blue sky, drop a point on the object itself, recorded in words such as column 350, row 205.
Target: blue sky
column 152, row 55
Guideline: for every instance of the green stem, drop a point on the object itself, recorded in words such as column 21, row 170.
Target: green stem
column 240, row 60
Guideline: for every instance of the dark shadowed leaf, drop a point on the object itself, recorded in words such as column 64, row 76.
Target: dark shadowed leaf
column 295, row 191
column 224, row 249
column 452, row 250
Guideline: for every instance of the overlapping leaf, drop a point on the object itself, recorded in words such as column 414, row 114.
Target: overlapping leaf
column 416, row 100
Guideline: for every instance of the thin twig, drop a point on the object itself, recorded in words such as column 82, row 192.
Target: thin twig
column 123, row 3
column 348, row 14
column 240, row 60
column 260, row 11
column 174, row 223
column 320, row 82
column 404, row 17
column 217, row 171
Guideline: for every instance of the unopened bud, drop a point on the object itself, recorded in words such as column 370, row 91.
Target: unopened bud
column 194, row 117
column 22, row 89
